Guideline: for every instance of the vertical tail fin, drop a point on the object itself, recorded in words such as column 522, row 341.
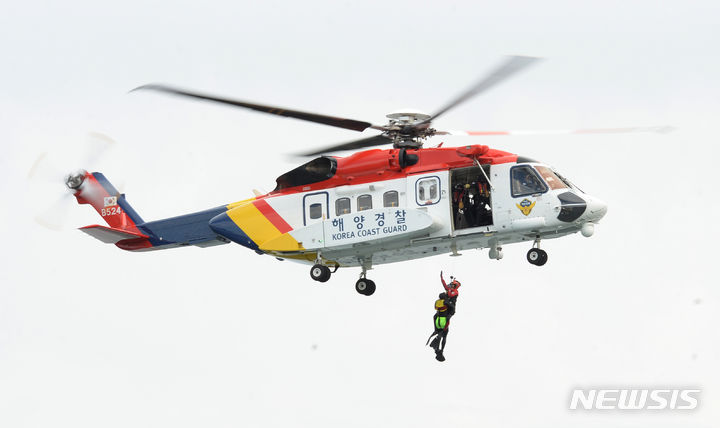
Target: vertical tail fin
column 112, row 206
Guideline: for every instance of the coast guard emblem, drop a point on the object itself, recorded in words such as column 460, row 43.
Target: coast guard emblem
column 525, row 206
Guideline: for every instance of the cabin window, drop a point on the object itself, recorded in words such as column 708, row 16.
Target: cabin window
column 428, row 191
column 525, row 181
column 390, row 199
column 364, row 202
column 551, row 178
column 342, row 206
column 315, row 211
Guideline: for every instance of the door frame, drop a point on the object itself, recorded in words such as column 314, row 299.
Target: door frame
column 306, row 207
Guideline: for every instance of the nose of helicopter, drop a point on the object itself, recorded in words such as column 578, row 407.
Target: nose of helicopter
column 596, row 209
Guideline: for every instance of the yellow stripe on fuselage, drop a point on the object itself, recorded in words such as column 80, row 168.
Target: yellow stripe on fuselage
column 258, row 228
column 253, row 223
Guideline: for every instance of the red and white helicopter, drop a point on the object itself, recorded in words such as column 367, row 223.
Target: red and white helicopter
column 375, row 206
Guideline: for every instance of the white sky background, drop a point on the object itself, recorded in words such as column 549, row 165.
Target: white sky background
column 93, row 336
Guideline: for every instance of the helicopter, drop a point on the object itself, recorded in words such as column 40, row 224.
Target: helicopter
column 375, row 206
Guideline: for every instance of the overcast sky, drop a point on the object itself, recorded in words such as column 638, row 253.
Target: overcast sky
column 221, row 337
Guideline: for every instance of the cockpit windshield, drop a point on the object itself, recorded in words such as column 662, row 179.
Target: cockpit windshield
column 319, row 169
column 567, row 182
column 552, row 179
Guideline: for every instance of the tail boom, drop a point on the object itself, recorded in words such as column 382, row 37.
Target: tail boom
column 129, row 232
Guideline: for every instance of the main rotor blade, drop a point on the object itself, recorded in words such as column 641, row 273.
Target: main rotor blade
column 657, row 129
column 377, row 140
column 513, row 65
column 355, row 125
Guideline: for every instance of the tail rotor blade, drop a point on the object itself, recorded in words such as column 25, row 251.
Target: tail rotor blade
column 97, row 145
column 44, row 170
column 45, row 174
column 56, row 215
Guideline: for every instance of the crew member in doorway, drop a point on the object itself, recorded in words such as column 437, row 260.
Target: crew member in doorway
column 459, row 198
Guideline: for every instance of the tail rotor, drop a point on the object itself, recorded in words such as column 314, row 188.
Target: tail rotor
column 45, row 174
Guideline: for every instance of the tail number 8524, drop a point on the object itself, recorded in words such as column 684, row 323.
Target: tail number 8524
column 110, row 211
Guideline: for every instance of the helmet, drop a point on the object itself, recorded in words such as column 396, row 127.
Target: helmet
column 454, row 283
column 452, row 292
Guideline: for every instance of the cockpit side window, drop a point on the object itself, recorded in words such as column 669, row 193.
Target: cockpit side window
column 551, row 178
column 525, row 181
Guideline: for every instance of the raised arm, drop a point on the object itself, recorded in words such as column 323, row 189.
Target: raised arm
column 445, row 286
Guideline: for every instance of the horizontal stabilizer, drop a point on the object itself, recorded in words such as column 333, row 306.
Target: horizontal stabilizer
column 110, row 235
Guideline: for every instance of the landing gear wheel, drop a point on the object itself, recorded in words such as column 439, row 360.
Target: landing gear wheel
column 537, row 256
column 543, row 258
column 320, row 273
column 365, row 286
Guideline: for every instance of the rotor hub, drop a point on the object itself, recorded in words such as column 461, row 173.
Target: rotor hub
column 408, row 128
column 74, row 180
column 408, row 116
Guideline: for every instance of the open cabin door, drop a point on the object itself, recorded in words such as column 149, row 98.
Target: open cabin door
column 471, row 198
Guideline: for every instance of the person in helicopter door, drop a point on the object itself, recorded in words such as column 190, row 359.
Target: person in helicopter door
column 459, row 206
column 482, row 207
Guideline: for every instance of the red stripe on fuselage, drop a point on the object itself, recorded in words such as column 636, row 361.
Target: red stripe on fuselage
column 272, row 215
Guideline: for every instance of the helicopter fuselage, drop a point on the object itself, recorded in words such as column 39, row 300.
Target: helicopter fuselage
column 373, row 207
column 375, row 212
